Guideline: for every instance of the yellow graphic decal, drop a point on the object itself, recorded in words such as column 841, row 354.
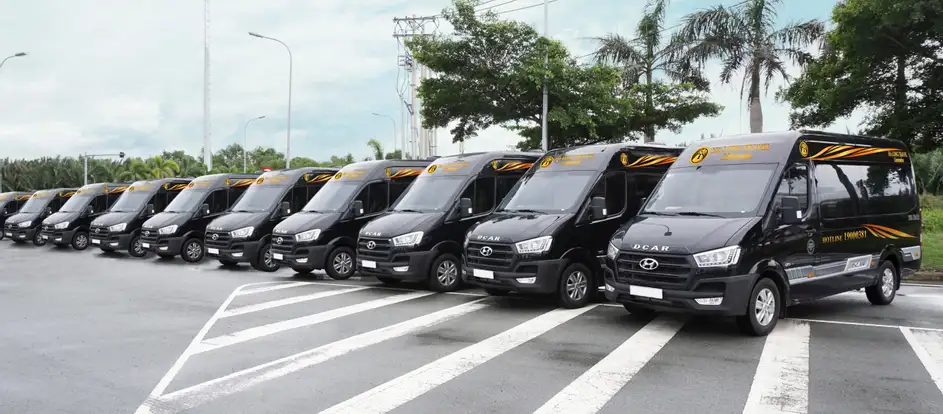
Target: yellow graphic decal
column 845, row 236
column 350, row 174
column 68, row 194
column 174, row 187
column 624, row 158
column 886, row 232
column 204, row 183
column 511, row 166
column 243, row 183
column 116, row 190
column 546, row 162
column 260, row 180
column 4, row 197
column 320, row 178
column 449, row 167
column 566, row 160
column 699, row 155
column 804, row 148
column 431, row 169
column 41, row 195
column 21, row 197
column 650, row 161
column 338, row 176
column 832, row 152
column 272, row 179
column 406, row 172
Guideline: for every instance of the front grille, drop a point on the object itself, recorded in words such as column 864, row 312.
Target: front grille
column 673, row 271
column 501, row 257
column 150, row 237
column 283, row 243
column 218, row 240
column 99, row 232
column 381, row 251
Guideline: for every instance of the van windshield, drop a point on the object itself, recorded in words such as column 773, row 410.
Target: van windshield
column 334, row 196
column 548, row 192
column 429, row 193
column 131, row 201
column 36, row 204
column 260, row 198
column 188, row 200
column 716, row 190
column 77, row 203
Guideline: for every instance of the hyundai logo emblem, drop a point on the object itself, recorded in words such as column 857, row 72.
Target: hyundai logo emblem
column 648, row 264
column 215, row 236
column 147, row 233
column 486, row 251
column 371, row 244
column 279, row 240
column 98, row 230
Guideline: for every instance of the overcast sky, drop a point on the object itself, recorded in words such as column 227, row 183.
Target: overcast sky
column 107, row 76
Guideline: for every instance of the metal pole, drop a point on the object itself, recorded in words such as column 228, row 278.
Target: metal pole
column 290, row 64
column 394, row 129
column 543, row 118
column 2, row 164
column 245, row 142
column 85, row 161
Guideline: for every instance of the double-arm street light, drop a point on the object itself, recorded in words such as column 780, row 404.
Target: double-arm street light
column 288, row 145
column 394, row 129
column 86, row 156
column 245, row 142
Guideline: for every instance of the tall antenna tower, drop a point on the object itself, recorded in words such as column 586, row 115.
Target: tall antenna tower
column 207, row 144
column 422, row 143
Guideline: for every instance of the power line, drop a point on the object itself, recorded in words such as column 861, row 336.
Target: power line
column 525, row 7
column 496, row 5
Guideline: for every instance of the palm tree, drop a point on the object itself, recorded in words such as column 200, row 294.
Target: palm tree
column 745, row 36
column 377, row 148
column 162, row 168
column 644, row 55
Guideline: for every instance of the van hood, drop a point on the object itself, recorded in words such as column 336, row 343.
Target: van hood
column 21, row 217
column 110, row 219
column 166, row 219
column 398, row 223
column 304, row 221
column 688, row 234
column 59, row 217
column 236, row 221
column 515, row 227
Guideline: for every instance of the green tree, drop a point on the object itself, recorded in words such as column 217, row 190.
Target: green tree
column 745, row 37
column 883, row 56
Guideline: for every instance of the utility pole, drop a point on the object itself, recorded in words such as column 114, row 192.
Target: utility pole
column 245, row 143
column 545, row 142
column 421, row 141
column 207, row 144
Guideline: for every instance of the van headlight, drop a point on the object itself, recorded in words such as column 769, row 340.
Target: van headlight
column 719, row 257
column 171, row 229
column 242, row 233
column 612, row 251
column 25, row 223
column 118, row 227
column 60, row 226
column 538, row 245
column 408, row 239
column 309, row 235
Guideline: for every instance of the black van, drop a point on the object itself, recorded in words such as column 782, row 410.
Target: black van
column 244, row 234
column 24, row 225
column 420, row 239
column 70, row 225
column 10, row 203
column 747, row 225
column 323, row 235
column 120, row 228
column 179, row 229
column 549, row 234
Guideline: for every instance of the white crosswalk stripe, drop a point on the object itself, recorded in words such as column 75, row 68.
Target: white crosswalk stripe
column 390, row 350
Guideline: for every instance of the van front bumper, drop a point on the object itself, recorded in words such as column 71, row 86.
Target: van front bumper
column 19, row 234
column 734, row 291
column 57, row 237
column 163, row 245
column 534, row 276
column 242, row 251
column 111, row 242
column 301, row 256
column 410, row 267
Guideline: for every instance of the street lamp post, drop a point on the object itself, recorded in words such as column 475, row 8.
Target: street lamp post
column 288, row 145
column 86, row 156
column 15, row 55
column 394, row 129
column 544, row 140
column 245, row 142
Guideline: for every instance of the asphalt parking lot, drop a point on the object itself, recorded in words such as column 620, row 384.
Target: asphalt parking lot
column 85, row 332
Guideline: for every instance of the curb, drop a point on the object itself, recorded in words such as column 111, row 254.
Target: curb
column 930, row 276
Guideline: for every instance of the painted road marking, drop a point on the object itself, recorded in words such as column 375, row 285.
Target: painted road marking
column 781, row 383
column 288, row 301
column 199, row 394
column 929, row 349
column 276, row 287
column 592, row 390
column 398, row 391
column 872, row 325
column 300, row 322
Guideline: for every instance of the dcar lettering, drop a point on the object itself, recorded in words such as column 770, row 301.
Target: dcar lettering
column 487, row 238
column 371, row 234
column 650, row 248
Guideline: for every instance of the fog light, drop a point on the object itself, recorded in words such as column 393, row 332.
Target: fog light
column 401, row 268
column 114, row 244
column 709, row 301
column 609, row 288
column 305, row 260
column 237, row 255
column 162, row 248
column 526, row 280
column 59, row 239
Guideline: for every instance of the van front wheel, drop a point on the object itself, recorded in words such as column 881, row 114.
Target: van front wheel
column 576, row 287
column 883, row 292
column 192, row 250
column 340, row 263
column 763, row 309
column 444, row 275
column 265, row 262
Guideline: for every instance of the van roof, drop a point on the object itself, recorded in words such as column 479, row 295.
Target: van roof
column 474, row 162
column 296, row 173
column 225, row 179
column 369, row 170
column 103, row 188
column 599, row 157
column 777, row 147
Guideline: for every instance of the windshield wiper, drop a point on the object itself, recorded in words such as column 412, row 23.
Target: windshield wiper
column 407, row 210
column 695, row 213
column 524, row 210
column 659, row 213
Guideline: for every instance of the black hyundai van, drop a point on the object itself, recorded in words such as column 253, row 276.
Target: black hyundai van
column 420, row 238
column 323, row 235
column 244, row 234
column 70, row 225
column 10, row 204
column 25, row 225
column 747, row 225
column 179, row 229
column 549, row 234
column 120, row 228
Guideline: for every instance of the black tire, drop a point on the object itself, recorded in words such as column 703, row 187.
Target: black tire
column 80, row 240
column 192, row 250
column 264, row 261
column 577, row 287
column 496, row 292
column 302, row 271
column 228, row 263
column 884, row 291
column 764, row 289
column 135, row 249
column 38, row 239
column 387, row 280
column 637, row 310
column 445, row 273
column 340, row 263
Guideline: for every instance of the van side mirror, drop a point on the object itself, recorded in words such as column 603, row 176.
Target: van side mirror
column 357, row 208
column 88, row 211
column 149, row 209
column 284, row 208
column 597, row 208
column 204, row 210
column 48, row 211
column 789, row 212
column 464, row 207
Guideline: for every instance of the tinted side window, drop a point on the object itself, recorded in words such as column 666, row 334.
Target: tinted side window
column 100, row 203
column 218, row 201
column 795, row 183
column 504, row 185
column 376, row 197
column 481, row 192
column 613, row 187
column 397, row 188
column 836, row 193
column 299, row 197
column 159, row 200
column 881, row 188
